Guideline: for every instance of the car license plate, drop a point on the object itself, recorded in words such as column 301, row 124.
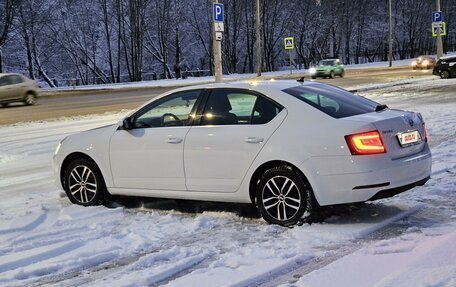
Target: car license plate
column 409, row 138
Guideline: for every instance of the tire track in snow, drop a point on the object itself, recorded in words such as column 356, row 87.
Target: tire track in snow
column 83, row 276
column 290, row 272
column 45, row 253
column 14, row 232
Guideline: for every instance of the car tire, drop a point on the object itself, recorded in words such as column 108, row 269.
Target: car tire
column 445, row 74
column 83, row 183
column 314, row 77
column 4, row 105
column 331, row 74
column 284, row 197
column 29, row 99
column 342, row 74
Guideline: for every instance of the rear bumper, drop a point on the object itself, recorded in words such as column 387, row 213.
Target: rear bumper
column 348, row 179
column 393, row 191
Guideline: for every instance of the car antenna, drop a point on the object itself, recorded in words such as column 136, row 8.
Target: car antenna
column 300, row 80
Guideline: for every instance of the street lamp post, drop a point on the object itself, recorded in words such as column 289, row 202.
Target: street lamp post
column 439, row 38
column 217, row 48
column 258, row 36
column 390, row 35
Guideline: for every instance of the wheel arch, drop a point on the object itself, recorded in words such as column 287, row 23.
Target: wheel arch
column 34, row 93
column 264, row 167
column 69, row 159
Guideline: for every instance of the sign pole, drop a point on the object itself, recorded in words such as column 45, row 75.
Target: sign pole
column 288, row 43
column 258, row 36
column 289, row 53
column 439, row 37
column 217, row 48
column 390, row 35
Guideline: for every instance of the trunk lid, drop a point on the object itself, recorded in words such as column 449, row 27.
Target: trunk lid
column 394, row 125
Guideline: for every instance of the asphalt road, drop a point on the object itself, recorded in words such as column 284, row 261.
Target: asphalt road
column 96, row 102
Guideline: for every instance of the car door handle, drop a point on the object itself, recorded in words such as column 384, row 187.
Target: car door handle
column 253, row 140
column 174, row 140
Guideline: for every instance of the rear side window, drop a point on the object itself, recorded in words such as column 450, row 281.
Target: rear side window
column 14, row 79
column 238, row 107
column 333, row 101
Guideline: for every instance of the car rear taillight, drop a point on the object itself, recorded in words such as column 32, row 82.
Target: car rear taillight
column 425, row 133
column 365, row 143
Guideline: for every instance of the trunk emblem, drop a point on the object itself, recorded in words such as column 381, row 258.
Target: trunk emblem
column 409, row 120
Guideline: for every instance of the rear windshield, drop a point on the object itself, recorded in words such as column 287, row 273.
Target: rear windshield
column 333, row 101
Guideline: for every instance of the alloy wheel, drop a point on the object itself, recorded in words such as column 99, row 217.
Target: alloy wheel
column 444, row 74
column 82, row 184
column 281, row 198
column 30, row 99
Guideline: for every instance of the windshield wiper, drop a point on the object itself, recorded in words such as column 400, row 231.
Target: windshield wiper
column 379, row 108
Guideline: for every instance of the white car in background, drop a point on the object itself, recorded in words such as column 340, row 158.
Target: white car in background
column 284, row 146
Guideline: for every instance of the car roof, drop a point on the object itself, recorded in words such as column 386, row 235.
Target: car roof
column 256, row 85
column 448, row 57
column 9, row 74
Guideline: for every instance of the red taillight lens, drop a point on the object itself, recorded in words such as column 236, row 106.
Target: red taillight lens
column 365, row 143
column 425, row 133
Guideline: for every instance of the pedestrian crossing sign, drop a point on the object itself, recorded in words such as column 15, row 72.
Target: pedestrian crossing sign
column 439, row 30
column 288, row 43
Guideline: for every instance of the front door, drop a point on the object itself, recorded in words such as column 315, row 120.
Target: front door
column 234, row 127
column 149, row 155
column 6, row 89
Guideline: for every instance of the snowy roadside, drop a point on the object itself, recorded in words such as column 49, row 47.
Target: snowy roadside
column 210, row 79
column 45, row 240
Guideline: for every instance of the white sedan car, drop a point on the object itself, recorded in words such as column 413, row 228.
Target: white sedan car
column 284, row 146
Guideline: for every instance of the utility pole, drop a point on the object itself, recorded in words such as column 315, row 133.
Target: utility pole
column 390, row 35
column 217, row 48
column 439, row 38
column 258, row 36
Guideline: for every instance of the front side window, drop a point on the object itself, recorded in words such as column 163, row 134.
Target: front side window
column 173, row 110
column 4, row 81
column 237, row 107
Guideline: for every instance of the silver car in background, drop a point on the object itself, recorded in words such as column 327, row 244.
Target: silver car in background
column 17, row 88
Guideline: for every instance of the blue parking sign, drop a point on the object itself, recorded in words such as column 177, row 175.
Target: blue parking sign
column 437, row 16
column 218, row 12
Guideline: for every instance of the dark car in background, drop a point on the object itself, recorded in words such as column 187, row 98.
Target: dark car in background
column 423, row 62
column 445, row 67
column 17, row 88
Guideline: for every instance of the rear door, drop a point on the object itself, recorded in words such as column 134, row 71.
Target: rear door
column 232, row 128
column 17, row 87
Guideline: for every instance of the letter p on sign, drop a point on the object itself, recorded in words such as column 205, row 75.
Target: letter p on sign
column 218, row 12
column 437, row 16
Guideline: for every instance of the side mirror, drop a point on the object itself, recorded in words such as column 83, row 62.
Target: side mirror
column 127, row 124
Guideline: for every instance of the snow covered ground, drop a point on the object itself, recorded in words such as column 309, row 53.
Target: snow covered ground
column 407, row 240
column 208, row 79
